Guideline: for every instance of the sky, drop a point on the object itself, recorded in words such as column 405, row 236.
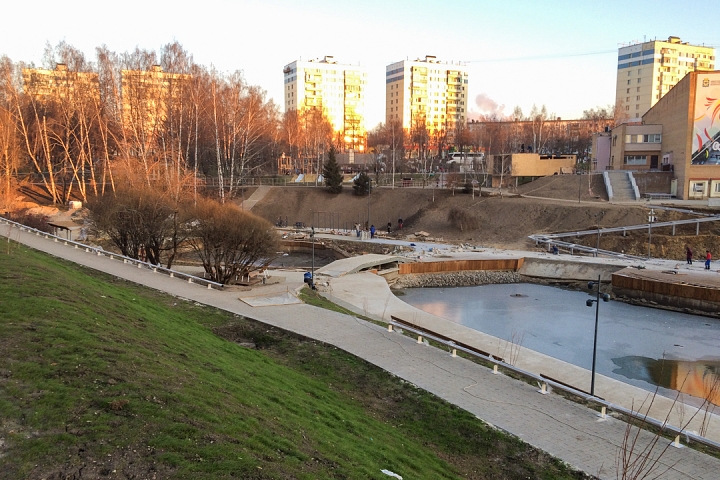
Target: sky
column 561, row 54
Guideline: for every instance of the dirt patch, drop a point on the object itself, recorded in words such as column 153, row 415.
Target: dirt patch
column 503, row 222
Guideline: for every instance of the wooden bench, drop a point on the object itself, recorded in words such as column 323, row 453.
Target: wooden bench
column 445, row 338
column 658, row 196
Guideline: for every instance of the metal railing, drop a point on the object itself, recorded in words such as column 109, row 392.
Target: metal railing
column 544, row 381
column 99, row 251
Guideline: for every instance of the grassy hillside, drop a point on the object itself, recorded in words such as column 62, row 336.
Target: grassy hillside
column 100, row 378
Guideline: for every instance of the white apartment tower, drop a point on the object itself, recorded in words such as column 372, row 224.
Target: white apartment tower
column 648, row 70
column 338, row 90
column 426, row 90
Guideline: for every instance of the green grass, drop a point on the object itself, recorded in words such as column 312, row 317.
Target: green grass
column 99, row 375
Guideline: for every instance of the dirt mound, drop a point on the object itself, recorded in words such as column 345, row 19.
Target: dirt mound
column 499, row 221
column 566, row 187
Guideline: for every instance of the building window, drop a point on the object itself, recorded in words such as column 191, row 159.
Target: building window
column 628, row 82
column 639, row 79
column 697, row 189
column 638, row 98
column 628, row 91
column 635, row 160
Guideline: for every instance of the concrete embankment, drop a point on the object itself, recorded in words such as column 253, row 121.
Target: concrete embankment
column 456, row 279
column 532, row 270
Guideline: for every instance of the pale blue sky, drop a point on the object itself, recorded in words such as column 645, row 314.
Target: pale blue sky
column 559, row 53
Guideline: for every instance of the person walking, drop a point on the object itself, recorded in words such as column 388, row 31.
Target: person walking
column 688, row 254
column 372, row 232
column 708, row 257
column 389, row 228
column 400, row 224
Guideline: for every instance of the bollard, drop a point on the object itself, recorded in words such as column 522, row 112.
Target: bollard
column 65, row 243
column 543, row 389
column 76, row 245
column 172, row 274
column 390, row 327
column 99, row 253
column 603, row 412
column 676, row 443
column 87, row 249
column 495, row 369
column 139, row 265
column 55, row 239
column 189, row 280
column 454, row 352
column 419, row 339
column 112, row 257
column 124, row 260
column 209, row 286
column 154, row 269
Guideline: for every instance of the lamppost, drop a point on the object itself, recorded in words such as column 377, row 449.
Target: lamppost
column 651, row 219
column 368, row 189
column 589, row 302
column 598, row 217
column 312, row 269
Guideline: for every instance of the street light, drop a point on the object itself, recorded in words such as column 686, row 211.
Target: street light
column 368, row 189
column 589, row 302
column 312, row 269
column 651, row 219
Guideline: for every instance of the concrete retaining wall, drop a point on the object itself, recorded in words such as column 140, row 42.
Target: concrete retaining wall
column 556, row 268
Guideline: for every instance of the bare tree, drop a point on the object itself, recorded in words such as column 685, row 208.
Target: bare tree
column 230, row 242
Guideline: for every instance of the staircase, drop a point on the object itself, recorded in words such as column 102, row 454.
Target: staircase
column 621, row 186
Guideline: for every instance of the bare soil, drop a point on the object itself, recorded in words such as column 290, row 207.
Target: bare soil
column 501, row 221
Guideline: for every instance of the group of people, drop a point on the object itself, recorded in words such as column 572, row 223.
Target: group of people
column 359, row 228
column 689, row 255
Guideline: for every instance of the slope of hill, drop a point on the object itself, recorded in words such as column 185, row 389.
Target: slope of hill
column 497, row 221
column 102, row 379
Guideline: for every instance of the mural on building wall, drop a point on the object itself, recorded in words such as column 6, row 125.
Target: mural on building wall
column 706, row 131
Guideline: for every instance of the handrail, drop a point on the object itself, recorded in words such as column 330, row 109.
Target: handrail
column 608, row 185
column 642, row 226
column 100, row 251
column 636, row 190
column 571, row 247
column 663, row 426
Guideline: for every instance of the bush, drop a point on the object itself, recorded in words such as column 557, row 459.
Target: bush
column 462, row 219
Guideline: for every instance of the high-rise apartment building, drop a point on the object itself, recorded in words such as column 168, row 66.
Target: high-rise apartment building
column 647, row 71
column 337, row 90
column 60, row 84
column 426, row 91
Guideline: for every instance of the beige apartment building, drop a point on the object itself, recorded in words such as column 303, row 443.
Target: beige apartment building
column 337, row 89
column 60, row 83
column 426, row 91
column 648, row 70
column 146, row 99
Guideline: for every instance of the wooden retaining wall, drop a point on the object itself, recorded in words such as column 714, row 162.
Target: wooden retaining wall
column 677, row 288
column 459, row 265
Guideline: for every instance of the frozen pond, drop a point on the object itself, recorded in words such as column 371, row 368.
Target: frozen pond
column 632, row 340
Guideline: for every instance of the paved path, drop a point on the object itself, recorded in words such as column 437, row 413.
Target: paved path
column 256, row 196
column 565, row 429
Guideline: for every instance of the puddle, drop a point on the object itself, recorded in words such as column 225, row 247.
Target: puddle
column 699, row 378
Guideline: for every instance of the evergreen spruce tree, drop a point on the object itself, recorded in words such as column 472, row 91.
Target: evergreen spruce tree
column 332, row 174
column 362, row 184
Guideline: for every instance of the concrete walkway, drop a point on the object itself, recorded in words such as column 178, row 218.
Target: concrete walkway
column 257, row 195
column 563, row 428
